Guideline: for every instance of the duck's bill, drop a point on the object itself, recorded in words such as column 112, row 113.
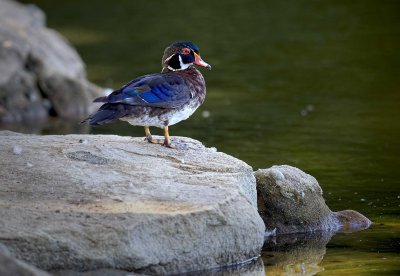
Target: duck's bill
column 200, row 62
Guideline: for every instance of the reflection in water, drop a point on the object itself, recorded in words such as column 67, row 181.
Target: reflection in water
column 254, row 268
column 295, row 254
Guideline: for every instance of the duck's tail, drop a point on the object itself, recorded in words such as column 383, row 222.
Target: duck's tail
column 107, row 113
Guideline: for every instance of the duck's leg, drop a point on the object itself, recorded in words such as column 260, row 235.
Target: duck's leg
column 150, row 139
column 173, row 145
column 167, row 140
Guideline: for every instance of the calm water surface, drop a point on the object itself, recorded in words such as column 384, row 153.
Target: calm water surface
column 313, row 84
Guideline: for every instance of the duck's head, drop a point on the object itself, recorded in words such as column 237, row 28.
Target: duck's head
column 182, row 55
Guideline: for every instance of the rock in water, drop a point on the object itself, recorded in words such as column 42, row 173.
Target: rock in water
column 120, row 202
column 39, row 71
column 290, row 201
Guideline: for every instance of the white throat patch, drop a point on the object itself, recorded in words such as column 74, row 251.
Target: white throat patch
column 183, row 65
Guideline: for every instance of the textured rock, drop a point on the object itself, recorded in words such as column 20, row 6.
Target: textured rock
column 39, row 71
column 84, row 202
column 12, row 266
column 291, row 201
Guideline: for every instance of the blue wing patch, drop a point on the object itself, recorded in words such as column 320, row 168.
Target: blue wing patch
column 158, row 93
column 130, row 92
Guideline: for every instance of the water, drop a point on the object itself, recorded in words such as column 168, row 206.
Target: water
column 313, row 84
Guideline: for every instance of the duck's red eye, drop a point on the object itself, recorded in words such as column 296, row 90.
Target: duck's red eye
column 185, row 51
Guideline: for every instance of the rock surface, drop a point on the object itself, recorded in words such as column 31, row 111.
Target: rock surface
column 85, row 202
column 40, row 73
column 290, row 201
column 12, row 266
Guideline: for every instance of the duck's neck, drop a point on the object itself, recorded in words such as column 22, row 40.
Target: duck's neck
column 196, row 81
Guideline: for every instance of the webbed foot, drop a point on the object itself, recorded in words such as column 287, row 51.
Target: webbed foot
column 175, row 145
column 152, row 140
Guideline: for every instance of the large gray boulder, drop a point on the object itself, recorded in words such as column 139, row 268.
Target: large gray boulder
column 290, row 201
column 84, row 202
column 40, row 73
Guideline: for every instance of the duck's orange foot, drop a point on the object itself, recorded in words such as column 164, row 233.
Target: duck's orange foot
column 154, row 140
column 175, row 145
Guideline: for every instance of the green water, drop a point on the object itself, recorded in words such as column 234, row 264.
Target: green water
column 313, row 84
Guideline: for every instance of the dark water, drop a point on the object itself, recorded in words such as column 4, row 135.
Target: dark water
column 313, row 84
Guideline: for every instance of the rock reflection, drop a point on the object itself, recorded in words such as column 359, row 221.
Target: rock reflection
column 295, row 254
column 253, row 268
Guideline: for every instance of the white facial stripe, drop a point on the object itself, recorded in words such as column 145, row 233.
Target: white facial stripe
column 183, row 65
column 168, row 58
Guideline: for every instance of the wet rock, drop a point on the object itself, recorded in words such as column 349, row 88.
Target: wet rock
column 351, row 220
column 122, row 203
column 291, row 201
column 40, row 73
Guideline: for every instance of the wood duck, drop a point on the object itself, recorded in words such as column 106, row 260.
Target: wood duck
column 161, row 99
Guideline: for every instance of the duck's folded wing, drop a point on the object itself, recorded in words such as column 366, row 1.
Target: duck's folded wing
column 156, row 90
